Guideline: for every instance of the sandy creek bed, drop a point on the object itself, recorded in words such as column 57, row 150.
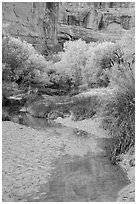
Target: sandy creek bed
column 55, row 163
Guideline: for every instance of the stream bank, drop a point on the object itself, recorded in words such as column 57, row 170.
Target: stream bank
column 57, row 163
column 87, row 143
column 126, row 161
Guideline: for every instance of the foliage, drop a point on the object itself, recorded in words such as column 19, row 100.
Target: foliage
column 127, row 46
column 119, row 110
column 85, row 107
column 82, row 63
column 79, row 64
column 24, row 63
column 87, row 63
column 72, row 61
column 58, row 81
column 100, row 58
column 53, row 57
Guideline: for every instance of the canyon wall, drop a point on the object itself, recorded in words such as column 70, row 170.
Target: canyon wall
column 96, row 19
column 47, row 25
column 34, row 22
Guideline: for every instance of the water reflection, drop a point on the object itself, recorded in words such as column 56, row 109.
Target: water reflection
column 89, row 178
column 37, row 123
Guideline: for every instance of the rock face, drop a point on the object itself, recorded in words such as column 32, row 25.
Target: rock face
column 123, row 17
column 97, row 20
column 50, row 24
column 91, row 15
column 33, row 22
column 44, row 24
column 66, row 32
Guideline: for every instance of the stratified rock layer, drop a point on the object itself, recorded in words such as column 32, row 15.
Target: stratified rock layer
column 30, row 21
column 44, row 24
column 93, row 22
column 36, row 22
column 25, row 20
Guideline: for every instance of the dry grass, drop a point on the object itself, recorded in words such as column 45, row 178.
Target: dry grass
column 119, row 112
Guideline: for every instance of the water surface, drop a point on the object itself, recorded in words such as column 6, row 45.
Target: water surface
column 87, row 177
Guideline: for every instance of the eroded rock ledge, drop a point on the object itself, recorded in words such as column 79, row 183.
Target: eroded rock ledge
column 46, row 24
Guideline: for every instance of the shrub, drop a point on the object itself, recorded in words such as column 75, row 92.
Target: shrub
column 127, row 46
column 72, row 62
column 83, row 63
column 59, row 81
column 26, row 65
column 119, row 110
column 6, row 72
column 100, row 57
column 85, row 107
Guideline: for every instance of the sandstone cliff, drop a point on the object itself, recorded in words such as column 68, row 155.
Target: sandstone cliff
column 44, row 24
column 33, row 22
column 95, row 21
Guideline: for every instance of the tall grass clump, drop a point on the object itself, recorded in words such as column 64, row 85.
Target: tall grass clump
column 119, row 110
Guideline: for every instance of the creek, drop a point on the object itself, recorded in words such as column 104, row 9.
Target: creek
column 83, row 174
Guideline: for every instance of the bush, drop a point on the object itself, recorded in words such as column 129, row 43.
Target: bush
column 127, row 46
column 79, row 64
column 90, row 64
column 85, row 107
column 119, row 110
column 85, row 63
column 100, row 58
column 72, row 62
column 26, row 65
column 58, row 81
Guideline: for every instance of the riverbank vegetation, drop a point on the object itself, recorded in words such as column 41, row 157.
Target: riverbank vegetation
column 79, row 67
column 119, row 111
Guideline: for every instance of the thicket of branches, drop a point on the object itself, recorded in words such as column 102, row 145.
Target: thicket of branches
column 95, row 64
